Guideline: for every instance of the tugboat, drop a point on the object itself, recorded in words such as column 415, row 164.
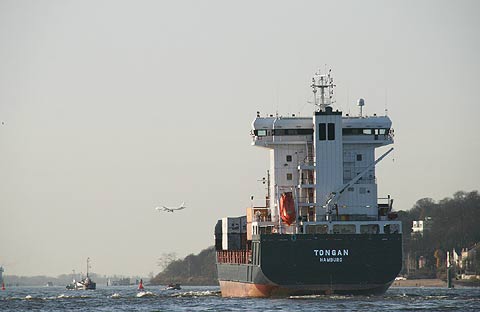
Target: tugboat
column 322, row 230
column 84, row 284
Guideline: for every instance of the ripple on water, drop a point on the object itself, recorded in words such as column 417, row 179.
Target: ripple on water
column 209, row 299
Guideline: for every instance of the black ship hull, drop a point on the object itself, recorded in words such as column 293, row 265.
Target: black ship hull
column 306, row 264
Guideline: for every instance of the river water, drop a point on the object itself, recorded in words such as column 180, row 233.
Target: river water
column 209, row 299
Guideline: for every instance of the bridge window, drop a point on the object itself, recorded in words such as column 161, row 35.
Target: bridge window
column 359, row 157
column 322, row 131
column 331, row 131
column 289, row 176
column 289, row 158
column 261, row 132
column 350, row 131
column 364, row 131
column 292, row 131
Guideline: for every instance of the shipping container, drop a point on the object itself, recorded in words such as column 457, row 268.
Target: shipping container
column 231, row 225
column 218, row 243
column 231, row 241
column 218, row 228
column 243, row 241
column 243, row 224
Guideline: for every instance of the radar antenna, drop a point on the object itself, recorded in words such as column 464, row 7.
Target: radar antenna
column 361, row 104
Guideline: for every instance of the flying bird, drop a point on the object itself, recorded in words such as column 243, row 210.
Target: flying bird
column 167, row 209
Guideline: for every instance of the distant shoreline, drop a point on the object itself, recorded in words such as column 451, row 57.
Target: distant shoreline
column 434, row 282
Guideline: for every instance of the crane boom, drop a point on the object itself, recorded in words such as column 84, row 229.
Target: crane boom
column 336, row 194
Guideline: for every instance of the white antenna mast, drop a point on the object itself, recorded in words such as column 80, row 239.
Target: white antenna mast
column 88, row 265
column 324, row 82
column 386, row 102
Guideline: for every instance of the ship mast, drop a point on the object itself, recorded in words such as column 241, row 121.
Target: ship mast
column 88, row 265
column 323, row 82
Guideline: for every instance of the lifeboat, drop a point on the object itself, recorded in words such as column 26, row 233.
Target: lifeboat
column 287, row 208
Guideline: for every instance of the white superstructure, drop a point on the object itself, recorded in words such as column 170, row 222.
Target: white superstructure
column 326, row 161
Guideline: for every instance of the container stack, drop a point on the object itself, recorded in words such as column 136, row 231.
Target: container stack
column 231, row 233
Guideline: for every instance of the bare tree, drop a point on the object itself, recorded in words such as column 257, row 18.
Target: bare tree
column 165, row 259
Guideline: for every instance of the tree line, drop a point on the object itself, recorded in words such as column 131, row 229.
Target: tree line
column 192, row 270
column 454, row 224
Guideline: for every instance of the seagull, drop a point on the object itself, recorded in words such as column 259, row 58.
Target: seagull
column 164, row 208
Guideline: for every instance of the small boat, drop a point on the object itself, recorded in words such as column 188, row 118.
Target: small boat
column 85, row 284
column 173, row 287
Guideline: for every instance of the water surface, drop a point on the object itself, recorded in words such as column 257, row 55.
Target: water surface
column 209, row 299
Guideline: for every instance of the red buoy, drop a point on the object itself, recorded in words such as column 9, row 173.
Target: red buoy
column 287, row 208
column 140, row 286
column 3, row 286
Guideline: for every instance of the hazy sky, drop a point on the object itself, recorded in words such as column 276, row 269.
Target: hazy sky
column 111, row 108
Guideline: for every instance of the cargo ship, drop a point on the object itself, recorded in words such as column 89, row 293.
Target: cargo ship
column 323, row 229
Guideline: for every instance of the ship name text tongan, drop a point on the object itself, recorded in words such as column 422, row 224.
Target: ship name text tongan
column 330, row 252
column 330, row 255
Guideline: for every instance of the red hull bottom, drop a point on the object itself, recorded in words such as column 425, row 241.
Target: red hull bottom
column 239, row 289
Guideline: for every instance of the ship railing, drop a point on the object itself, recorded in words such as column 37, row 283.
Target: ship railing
column 384, row 200
column 259, row 214
column 263, row 218
column 307, row 181
column 306, row 200
column 234, row 256
column 291, row 139
column 385, row 205
column 382, row 138
column 256, row 138
column 353, row 227
column 308, row 160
